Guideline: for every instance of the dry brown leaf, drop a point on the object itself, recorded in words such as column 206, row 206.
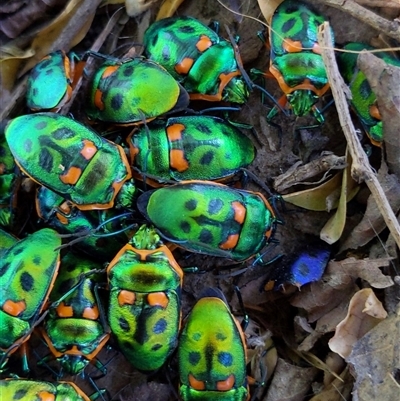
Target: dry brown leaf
column 268, row 7
column 137, row 7
column 365, row 312
column 299, row 378
column 372, row 222
column 374, row 361
column 168, row 8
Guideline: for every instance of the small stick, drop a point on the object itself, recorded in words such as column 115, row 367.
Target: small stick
column 361, row 169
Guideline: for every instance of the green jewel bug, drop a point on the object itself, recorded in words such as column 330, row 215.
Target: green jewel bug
column 295, row 58
column 133, row 91
column 65, row 218
column 29, row 390
column 75, row 330
column 6, row 241
column 212, row 352
column 206, row 65
column 211, row 218
column 27, row 273
column 145, row 296
column 363, row 100
column 69, row 158
column 187, row 148
column 51, row 81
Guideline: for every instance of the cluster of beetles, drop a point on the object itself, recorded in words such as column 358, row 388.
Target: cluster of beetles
column 102, row 230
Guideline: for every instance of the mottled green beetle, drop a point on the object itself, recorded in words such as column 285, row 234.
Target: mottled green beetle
column 27, row 273
column 69, row 158
column 363, row 99
column 74, row 330
column 190, row 148
column 134, row 91
column 51, row 81
column 145, row 288
column 6, row 241
column 34, row 390
column 211, row 218
column 295, row 57
column 212, row 352
column 205, row 64
column 65, row 218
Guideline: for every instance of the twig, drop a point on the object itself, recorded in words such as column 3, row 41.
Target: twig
column 380, row 3
column 361, row 169
column 382, row 25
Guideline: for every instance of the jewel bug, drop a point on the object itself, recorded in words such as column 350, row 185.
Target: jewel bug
column 211, row 218
column 28, row 390
column 212, row 352
column 69, row 158
column 206, row 65
column 75, row 330
column 6, row 241
column 363, row 100
column 27, row 273
column 295, row 58
column 145, row 296
column 51, row 81
column 191, row 147
column 134, row 91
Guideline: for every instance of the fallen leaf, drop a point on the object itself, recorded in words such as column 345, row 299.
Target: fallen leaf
column 137, row 7
column 268, row 7
column 375, row 362
column 365, row 312
column 168, row 8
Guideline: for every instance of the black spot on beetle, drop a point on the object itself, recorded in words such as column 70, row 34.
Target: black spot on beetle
column 40, row 125
column 20, row 394
column 191, row 204
column 365, row 89
column 46, row 160
column 156, row 347
column 37, row 260
column 207, row 158
column 160, row 326
column 215, row 205
column 128, row 71
column 26, row 280
column 123, row 324
column 116, row 101
column 225, row 358
column 185, row 227
column 206, row 236
column 288, row 25
column 194, row 357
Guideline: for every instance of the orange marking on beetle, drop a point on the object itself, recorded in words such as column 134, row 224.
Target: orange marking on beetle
column 109, row 71
column 184, row 66
column 174, row 132
column 224, row 80
column 98, row 99
column 46, row 396
column 196, row 384
column 67, row 68
column 374, row 112
column 240, row 212
column 158, row 299
column 14, row 308
column 91, row 313
column 225, row 385
column 204, row 43
column 61, row 218
column 292, row 46
column 126, row 298
column 231, row 242
column 71, row 176
column 177, row 160
column 89, row 149
column 65, row 310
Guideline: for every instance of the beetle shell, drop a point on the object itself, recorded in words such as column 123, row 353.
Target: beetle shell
column 134, row 91
column 27, row 273
column 196, row 56
column 211, row 218
column 69, row 158
column 144, row 312
column 51, row 81
column 295, row 59
column 29, row 390
column 363, row 99
column 212, row 353
column 73, row 330
column 188, row 148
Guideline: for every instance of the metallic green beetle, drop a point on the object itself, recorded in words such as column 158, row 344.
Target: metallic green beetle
column 363, row 99
column 211, row 218
column 6, row 241
column 75, row 330
column 134, row 91
column 69, row 158
column 34, row 390
column 205, row 64
column 144, row 311
column 295, row 57
column 27, row 273
column 212, row 352
column 51, row 81
column 190, row 148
